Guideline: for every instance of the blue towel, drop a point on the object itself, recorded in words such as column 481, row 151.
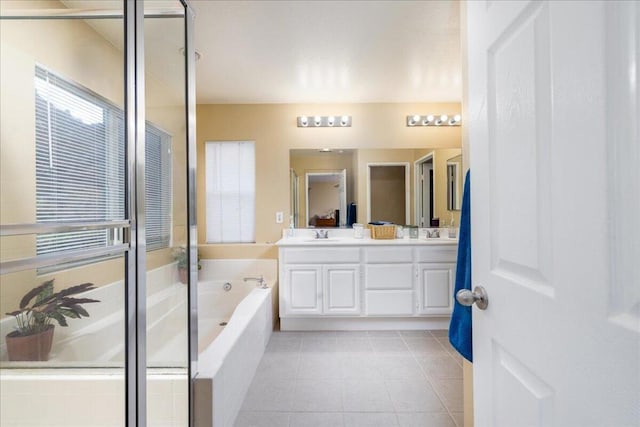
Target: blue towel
column 460, row 328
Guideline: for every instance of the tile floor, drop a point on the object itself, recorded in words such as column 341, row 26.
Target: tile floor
column 356, row 379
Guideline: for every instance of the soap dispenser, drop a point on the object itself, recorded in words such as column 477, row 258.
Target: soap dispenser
column 453, row 232
column 292, row 230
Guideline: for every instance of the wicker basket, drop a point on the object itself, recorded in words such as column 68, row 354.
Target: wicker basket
column 382, row 231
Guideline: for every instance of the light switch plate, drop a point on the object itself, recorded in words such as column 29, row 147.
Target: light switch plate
column 279, row 217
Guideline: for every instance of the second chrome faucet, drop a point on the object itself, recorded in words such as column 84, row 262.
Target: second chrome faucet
column 322, row 234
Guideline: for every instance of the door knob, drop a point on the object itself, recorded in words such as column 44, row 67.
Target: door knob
column 479, row 296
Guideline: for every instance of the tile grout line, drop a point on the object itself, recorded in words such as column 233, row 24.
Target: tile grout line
column 376, row 354
column 429, row 379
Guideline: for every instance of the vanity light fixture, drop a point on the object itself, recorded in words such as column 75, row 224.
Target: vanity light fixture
column 455, row 119
column 433, row 120
column 323, row 121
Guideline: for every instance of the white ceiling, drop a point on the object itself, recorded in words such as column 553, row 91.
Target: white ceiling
column 320, row 51
column 327, row 51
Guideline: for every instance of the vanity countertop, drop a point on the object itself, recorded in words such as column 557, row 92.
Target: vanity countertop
column 367, row 241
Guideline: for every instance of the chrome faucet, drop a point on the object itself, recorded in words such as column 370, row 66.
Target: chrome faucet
column 261, row 282
column 322, row 234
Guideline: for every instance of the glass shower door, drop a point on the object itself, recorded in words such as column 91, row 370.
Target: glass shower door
column 63, row 216
column 166, row 226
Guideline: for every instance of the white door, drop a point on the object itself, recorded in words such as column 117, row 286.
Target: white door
column 555, row 202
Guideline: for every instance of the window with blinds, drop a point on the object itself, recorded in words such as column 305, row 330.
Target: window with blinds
column 80, row 165
column 158, row 188
column 230, row 192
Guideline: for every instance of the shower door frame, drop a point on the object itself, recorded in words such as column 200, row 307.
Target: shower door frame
column 135, row 252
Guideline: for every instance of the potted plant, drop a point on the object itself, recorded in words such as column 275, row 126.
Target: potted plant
column 33, row 336
column 180, row 255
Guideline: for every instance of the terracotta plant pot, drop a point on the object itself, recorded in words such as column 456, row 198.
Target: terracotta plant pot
column 34, row 347
column 184, row 275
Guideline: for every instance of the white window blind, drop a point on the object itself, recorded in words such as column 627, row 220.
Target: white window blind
column 230, row 188
column 158, row 188
column 80, row 166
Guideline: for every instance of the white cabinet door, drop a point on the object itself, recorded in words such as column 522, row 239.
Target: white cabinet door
column 435, row 288
column 555, row 201
column 303, row 289
column 341, row 284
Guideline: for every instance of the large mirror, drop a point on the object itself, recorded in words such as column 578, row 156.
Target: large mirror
column 403, row 186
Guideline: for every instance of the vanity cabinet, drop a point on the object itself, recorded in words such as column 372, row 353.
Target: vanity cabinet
column 319, row 283
column 366, row 284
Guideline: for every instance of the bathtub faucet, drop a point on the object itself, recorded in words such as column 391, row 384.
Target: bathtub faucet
column 260, row 280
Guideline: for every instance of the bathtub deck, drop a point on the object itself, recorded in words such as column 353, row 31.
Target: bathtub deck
column 390, row 378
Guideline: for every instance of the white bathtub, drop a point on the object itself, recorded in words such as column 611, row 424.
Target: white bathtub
column 227, row 365
column 97, row 345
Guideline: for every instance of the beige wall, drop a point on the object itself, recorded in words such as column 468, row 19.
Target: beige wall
column 75, row 51
column 273, row 128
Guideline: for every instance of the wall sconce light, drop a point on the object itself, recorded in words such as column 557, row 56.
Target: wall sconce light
column 324, row 121
column 433, row 120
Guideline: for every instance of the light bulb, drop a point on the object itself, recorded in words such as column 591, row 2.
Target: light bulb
column 443, row 118
column 344, row 120
column 427, row 120
column 304, row 121
column 317, row 120
column 330, row 120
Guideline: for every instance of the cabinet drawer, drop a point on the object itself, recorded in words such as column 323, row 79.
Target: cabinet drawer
column 321, row 255
column 389, row 276
column 438, row 254
column 388, row 254
column 389, row 303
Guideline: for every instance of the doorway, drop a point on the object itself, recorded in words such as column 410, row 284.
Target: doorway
column 425, row 200
column 326, row 200
column 388, row 188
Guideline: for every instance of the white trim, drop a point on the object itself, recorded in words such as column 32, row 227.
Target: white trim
column 363, row 323
column 407, row 187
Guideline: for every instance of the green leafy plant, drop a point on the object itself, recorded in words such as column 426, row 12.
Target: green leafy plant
column 180, row 255
column 41, row 306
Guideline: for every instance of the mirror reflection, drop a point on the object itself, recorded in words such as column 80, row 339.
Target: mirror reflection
column 335, row 188
column 454, row 183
